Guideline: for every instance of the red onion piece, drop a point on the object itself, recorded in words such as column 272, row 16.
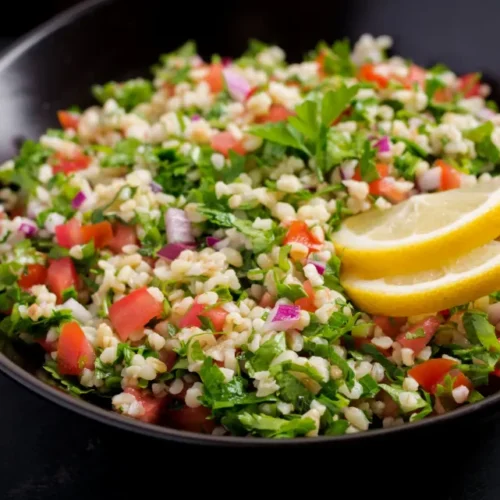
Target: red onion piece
column 282, row 317
column 226, row 61
column 430, row 180
column 320, row 266
column 172, row 250
column 195, row 118
column 212, row 241
column 237, row 86
column 78, row 200
column 178, row 226
column 383, row 145
column 28, row 229
column 155, row 187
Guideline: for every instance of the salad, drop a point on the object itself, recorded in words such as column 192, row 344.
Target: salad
column 173, row 253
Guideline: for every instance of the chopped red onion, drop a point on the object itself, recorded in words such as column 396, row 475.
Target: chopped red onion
column 155, row 187
column 282, row 317
column 320, row 266
column 178, row 226
column 212, row 241
column 485, row 114
column 430, row 180
column 195, row 118
column 78, row 200
column 28, row 229
column 226, row 61
column 237, row 86
column 383, row 145
column 172, row 250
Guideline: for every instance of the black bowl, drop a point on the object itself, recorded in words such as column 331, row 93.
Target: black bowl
column 54, row 66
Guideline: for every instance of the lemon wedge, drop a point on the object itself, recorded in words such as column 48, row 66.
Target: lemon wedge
column 469, row 277
column 423, row 232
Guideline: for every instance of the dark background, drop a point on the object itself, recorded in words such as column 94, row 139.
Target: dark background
column 49, row 453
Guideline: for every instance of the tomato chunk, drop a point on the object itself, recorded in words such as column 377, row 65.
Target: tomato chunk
column 215, row 78
column 459, row 378
column 450, row 177
column 368, row 73
column 191, row 319
column 68, row 119
column 69, row 234
column 431, row 372
column 307, row 303
column 429, row 327
column 192, row 419
column 223, row 142
column 101, row 233
column 383, row 171
column 74, row 351
column 217, row 316
column 68, row 165
column 152, row 406
column 131, row 313
column 34, row 274
column 416, row 74
column 300, row 233
column 389, row 325
column 122, row 235
column 61, row 275
column 277, row 113
column 470, row 85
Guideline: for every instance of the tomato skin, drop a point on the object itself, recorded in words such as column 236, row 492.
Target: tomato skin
column 459, row 379
column 416, row 74
column 389, row 325
column 430, row 373
column 299, row 233
column 74, row 351
column 218, row 317
column 307, row 303
column 215, row 78
column 152, row 406
column 69, row 165
column 69, row 234
column 429, row 326
column 192, row 419
column 470, row 85
column 101, row 233
column 191, row 319
column 34, row 274
column 375, row 186
column 450, row 177
column 223, row 142
column 132, row 312
column 368, row 73
column 122, row 235
column 277, row 113
column 68, row 119
column 61, row 275
column 388, row 190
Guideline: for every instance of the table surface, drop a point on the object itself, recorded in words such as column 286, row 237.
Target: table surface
column 48, row 452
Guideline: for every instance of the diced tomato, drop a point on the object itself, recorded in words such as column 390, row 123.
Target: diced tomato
column 470, row 85
column 299, row 233
column 267, row 300
column 387, row 189
column 34, row 274
column 215, row 78
column 416, row 74
column 68, row 119
column 252, row 92
column 445, row 313
column 74, row 351
column 389, row 325
column 69, row 165
column 152, row 406
column 101, row 233
column 192, row 419
column 47, row 346
column 320, row 60
column 382, row 169
column 69, row 234
column 307, row 303
column 191, row 319
column 61, row 275
column 430, row 372
column 450, row 177
column 277, row 113
column 368, row 73
column 131, row 313
column 217, row 316
column 122, row 235
column 459, row 378
column 73, row 233
column 443, row 95
column 428, row 325
column 223, row 142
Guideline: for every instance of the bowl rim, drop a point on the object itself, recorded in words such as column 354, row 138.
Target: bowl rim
column 7, row 57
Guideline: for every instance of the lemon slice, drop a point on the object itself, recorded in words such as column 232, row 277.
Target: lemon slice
column 469, row 277
column 423, row 232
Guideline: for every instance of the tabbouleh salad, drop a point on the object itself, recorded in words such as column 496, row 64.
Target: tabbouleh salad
column 171, row 248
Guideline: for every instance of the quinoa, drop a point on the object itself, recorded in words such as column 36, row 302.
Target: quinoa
column 170, row 248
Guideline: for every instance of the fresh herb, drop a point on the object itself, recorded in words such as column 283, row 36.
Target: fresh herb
column 480, row 330
column 367, row 165
column 276, row 427
column 267, row 352
column 69, row 384
column 417, row 334
column 390, row 368
column 128, row 95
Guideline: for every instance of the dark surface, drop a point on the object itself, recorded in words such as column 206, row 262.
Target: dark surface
column 48, row 452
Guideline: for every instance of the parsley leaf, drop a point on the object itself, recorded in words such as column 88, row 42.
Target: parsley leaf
column 480, row 330
column 367, row 165
column 417, row 334
column 280, row 133
column 73, row 388
column 390, row 368
column 276, row 427
column 128, row 94
column 267, row 352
